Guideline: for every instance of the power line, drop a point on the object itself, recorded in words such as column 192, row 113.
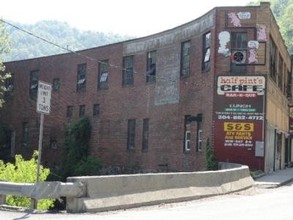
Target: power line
column 57, row 45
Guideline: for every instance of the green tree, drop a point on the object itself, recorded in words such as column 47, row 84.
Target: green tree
column 283, row 12
column 23, row 171
column 4, row 49
column 211, row 163
column 76, row 159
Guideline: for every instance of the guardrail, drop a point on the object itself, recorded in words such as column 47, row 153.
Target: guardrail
column 103, row 193
column 106, row 193
column 42, row 190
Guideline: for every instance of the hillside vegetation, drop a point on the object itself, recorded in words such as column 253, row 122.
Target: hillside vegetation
column 27, row 44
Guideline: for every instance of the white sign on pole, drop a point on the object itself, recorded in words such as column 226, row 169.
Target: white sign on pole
column 44, row 97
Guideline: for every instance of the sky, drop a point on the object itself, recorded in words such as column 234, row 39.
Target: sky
column 125, row 17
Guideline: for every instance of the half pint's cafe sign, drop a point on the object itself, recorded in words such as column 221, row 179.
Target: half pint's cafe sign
column 239, row 112
column 241, row 86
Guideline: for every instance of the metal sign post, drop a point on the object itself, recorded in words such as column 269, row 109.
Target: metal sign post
column 43, row 107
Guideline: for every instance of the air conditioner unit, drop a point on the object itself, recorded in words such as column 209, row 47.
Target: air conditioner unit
column 239, row 57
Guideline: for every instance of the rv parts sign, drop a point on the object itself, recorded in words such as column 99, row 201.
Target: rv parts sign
column 239, row 113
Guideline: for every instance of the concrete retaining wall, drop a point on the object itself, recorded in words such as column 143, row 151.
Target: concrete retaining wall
column 127, row 191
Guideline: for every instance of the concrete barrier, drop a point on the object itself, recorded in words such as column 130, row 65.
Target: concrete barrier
column 128, row 191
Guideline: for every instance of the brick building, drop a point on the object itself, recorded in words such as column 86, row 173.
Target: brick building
column 153, row 102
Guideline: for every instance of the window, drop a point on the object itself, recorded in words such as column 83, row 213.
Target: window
column 56, row 84
column 53, row 144
column 81, row 110
column 127, row 70
column 187, row 141
column 34, row 79
column 187, row 134
column 96, row 109
column 103, row 74
column 206, row 52
column 280, row 74
column 151, row 66
column 131, row 134
column 199, row 136
column 239, row 49
column 25, row 134
column 81, row 77
column 145, row 134
column 8, row 85
column 185, row 59
column 273, row 55
column 69, row 112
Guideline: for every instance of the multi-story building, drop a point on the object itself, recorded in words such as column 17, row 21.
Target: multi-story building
column 155, row 101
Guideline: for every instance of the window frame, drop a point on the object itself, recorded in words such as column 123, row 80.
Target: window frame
column 206, row 64
column 34, row 82
column 81, row 111
column 239, row 42
column 103, row 74
column 25, row 134
column 131, row 127
column 151, row 66
column 185, row 60
column 145, row 134
column 96, row 109
column 128, row 72
column 69, row 111
column 187, row 135
column 81, row 77
column 56, row 84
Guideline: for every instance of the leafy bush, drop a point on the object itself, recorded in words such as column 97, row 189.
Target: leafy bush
column 87, row 166
column 24, row 172
column 76, row 160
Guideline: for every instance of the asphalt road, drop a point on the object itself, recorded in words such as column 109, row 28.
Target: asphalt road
column 254, row 203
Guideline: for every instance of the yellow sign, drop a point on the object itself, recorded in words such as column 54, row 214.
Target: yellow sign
column 236, row 126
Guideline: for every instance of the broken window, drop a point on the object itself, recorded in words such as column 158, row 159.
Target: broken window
column 206, row 52
column 34, row 79
column 151, row 66
column 127, row 70
column 81, row 77
column 56, row 84
column 103, row 74
column 185, row 59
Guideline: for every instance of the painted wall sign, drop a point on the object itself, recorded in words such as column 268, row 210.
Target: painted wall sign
column 239, row 118
column 253, row 44
column 244, row 15
column 235, row 21
column 261, row 33
column 224, row 39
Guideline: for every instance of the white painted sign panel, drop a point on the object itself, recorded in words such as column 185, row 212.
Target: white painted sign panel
column 44, row 97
